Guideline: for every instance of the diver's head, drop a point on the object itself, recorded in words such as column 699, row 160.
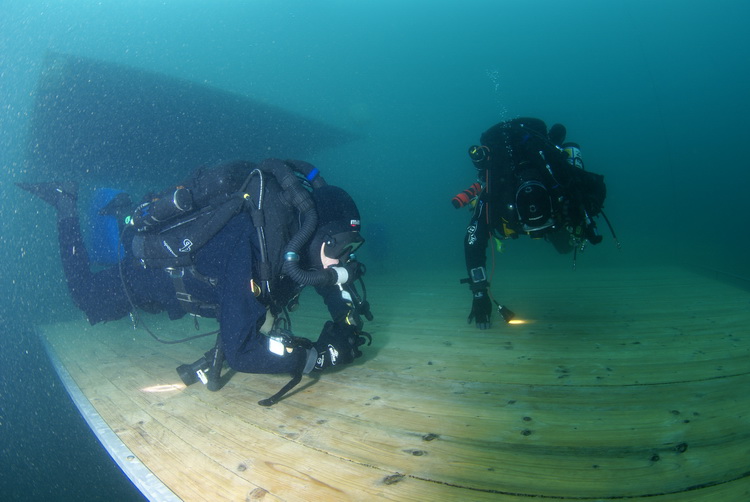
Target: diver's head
column 337, row 235
column 479, row 155
column 557, row 134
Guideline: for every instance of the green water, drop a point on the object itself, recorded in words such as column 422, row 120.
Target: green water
column 655, row 93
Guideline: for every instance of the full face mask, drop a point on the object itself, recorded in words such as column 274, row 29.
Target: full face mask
column 338, row 224
column 342, row 244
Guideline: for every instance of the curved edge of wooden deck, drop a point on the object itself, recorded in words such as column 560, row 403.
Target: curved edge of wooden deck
column 140, row 475
column 620, row 387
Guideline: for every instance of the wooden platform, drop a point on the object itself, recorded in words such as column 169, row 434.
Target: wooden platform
column 622, row 384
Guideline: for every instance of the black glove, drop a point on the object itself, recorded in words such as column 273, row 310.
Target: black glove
column 481, row 309
column 339, row 344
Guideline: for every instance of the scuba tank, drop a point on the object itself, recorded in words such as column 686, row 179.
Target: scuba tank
column 575, row 159
column 162, row 209
column 573, row 152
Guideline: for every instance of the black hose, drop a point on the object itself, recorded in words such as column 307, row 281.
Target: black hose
column 612, row 230
column 296, row 378
column 301, row 199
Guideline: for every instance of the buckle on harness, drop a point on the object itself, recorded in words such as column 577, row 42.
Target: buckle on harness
column 184, row 296
column 175, row 273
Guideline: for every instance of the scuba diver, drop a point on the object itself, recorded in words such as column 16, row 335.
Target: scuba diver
column 530, row 182
column 237, row 242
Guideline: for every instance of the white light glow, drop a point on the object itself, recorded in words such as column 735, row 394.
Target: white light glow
column 169, row 387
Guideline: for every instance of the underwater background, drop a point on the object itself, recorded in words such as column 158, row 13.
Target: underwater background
column 655, row 92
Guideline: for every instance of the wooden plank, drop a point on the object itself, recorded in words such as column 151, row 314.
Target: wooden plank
column 627, row 384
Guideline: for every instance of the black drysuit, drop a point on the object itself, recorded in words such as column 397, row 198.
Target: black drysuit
column 228, row 257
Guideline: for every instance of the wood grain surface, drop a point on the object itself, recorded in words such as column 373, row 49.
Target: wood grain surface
column 620, row 384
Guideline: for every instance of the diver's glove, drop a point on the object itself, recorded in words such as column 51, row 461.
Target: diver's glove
column 339, row 344
column 481, row 309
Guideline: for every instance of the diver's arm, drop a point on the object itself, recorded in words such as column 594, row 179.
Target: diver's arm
column 476, row 239
column 338, row 307
column 475, row 245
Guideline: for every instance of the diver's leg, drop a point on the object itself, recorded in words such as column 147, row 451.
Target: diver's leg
column 75, row 259
column 252, row 356
column 98, row 295
column 63, row 196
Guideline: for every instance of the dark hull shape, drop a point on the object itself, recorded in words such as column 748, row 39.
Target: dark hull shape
column 100, row 121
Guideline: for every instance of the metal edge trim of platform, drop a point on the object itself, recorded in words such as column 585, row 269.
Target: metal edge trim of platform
column 140, row 475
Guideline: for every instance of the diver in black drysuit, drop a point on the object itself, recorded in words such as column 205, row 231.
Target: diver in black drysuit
column 530, row 185
column 228, row 258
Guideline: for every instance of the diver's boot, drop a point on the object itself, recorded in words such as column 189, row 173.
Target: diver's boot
column 207, row 369
column 191, row 373
column 60, row 195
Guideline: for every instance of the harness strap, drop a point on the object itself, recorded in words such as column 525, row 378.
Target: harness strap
column 188, row 302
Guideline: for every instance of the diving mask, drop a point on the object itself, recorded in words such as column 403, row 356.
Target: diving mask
column 339, row 246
